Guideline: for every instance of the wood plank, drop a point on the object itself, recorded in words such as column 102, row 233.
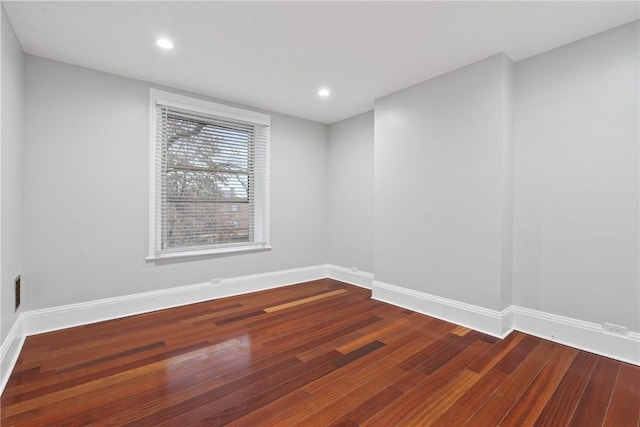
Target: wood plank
column 377, row 332
column 357, row 353
column 496, row 352
column 386, row 358
column 414, row 399
column 438, row 402
column 518, row 381
column 456, row 415
column 227, row 404
column 529, row 406
column 477, row 394
column 594, row 402
column 348, row 317
column 428, row 352
column 110, row 357
column 441, row 358
column 372, row 406
column 512, row 359
column 44, row 385
column 461, row 331
column 344, row 422
column 80, row 386
column 304, row 300
column 350, row 398
column 491, row 411
column 410, row 380
column 560, row 406
column 625, row 400
column 269, row 413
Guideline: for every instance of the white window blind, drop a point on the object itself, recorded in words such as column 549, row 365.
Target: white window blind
column 211, row 181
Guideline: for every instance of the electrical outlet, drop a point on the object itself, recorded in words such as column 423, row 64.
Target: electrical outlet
column 610, row 328
column 215, row 281
column 354, row 269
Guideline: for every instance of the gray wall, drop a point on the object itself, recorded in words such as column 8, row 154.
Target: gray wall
column 350, row 192
column 576, row 180
column 86, row 192
column 442, row 162
column 11, row 170
column 551, row 226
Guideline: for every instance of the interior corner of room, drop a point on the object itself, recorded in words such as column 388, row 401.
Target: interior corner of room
column 501, row 195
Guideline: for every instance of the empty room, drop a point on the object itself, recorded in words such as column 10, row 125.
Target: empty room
column 320, row 213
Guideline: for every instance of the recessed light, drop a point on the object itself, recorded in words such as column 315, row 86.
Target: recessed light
column 324, row 92
column 165, row 43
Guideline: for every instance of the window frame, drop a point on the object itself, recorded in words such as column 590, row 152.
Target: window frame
column 261, row 209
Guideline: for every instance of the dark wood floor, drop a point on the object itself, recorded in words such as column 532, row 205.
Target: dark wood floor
column 319, row 353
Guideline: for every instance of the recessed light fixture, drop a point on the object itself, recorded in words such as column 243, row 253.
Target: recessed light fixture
column 324, row 92
column 165, row 43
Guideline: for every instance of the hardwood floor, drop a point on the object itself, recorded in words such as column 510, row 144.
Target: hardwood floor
column 318, row 353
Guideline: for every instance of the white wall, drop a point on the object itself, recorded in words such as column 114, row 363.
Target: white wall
column 576, row 180
column 350, row 193
column 86, row 192
column 441, row 192
column 11, row 170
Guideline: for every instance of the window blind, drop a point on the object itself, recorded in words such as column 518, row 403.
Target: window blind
column 211, row 181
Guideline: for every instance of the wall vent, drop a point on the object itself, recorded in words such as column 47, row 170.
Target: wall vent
column 17, row 292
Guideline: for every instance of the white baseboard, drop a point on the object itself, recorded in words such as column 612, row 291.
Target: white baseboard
column 576, row 333
column 468, row 315
column 9, row 352
column 68, row 316
column 508, row 321
column 352, row 276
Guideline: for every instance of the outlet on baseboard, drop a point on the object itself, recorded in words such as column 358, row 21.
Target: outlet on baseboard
column 610, row 328
column 216, row 281
column 354, row 269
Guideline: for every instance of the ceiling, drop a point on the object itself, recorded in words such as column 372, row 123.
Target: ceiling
column 276, row 55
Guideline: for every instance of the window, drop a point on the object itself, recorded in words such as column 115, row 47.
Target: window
column 209, row 184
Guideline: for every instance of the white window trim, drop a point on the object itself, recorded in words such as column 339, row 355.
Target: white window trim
column 205, row 107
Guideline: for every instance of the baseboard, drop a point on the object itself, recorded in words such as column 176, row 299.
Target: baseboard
column 350, row 275
column 576, row 333
column 68, row 316
column 508, row 321
column 468, row 315
column 9, row 352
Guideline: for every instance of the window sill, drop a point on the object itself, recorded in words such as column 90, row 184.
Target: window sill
column 207, row 252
